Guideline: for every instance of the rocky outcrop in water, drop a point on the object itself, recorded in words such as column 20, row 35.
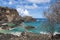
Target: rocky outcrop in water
column 29, row 19
column 29, row 27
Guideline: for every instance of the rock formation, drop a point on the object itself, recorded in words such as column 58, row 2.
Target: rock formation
column 11, row 16
column 29, row 19
column 29, row 27
column 8, row 14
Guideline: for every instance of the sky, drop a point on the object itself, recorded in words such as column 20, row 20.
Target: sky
column 34, row 8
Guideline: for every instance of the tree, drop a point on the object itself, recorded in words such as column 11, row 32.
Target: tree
column 53, row 15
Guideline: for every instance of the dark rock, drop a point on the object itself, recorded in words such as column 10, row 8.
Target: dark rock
column 29, row 27
column 57, row 36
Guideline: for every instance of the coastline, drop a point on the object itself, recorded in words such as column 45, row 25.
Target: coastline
column 19, row 33
column 49, row 33
column 27, row 36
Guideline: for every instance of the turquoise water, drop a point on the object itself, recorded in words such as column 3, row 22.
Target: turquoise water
column 40, row 26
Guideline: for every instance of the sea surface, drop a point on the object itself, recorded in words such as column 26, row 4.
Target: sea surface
column 41, row 26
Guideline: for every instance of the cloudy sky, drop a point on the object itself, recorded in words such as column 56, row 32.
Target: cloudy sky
column 34, row 8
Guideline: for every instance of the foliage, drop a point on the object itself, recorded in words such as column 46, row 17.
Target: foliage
column 53, row 15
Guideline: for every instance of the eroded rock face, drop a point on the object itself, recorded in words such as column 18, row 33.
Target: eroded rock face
column 8, row 15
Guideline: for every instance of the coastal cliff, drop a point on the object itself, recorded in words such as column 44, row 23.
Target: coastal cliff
column 11, row 15
column 9, row 18
column 8, row 14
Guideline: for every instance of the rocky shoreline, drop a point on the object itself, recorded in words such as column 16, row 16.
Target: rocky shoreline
column 28, row 36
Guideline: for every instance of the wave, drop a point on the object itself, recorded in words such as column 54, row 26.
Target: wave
column 56, row 33
column 16, row 33
column 43, row 33
column 49, row 33
column 19, row 33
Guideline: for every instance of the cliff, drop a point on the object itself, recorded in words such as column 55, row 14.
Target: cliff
column 11, row 15
column 8, row 14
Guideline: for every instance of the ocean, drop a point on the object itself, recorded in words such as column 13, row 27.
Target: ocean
column 41, row 26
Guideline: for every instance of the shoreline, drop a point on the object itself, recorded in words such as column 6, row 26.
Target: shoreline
column 19, row 33
column 28, row 36
column 16, row 33
column 49, row 33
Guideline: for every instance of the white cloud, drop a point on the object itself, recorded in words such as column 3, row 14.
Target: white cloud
column 10, row 2
column 38, row 1
column 26, row 13
column 23, row 12
column 34, row 6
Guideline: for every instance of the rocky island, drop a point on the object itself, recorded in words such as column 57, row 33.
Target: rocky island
column 28, row 19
